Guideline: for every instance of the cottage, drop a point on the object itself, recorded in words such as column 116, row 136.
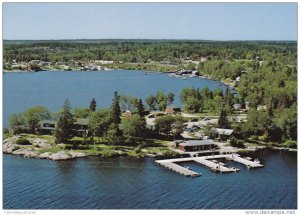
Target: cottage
column 127, row 113
column 172, row 110
column 262, row 107
column 47, row 127
column 221, row 133
column 81, row 126
column 197, row 145
column 237, row 106
column 35, row 62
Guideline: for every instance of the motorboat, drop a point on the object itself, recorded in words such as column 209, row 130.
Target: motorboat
column 187, row 167
column 222, row 164
column 235, row 169
column 256, row 161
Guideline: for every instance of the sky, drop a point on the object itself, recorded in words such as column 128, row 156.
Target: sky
column 201, row 21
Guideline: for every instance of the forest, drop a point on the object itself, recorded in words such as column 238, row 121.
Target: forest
column 143, row 50
column 264, row 74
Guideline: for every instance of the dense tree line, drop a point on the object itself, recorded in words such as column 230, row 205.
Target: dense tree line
column 144, row 50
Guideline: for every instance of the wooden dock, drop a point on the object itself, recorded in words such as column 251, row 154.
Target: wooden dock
column 206, row 161
column 214, row 166
column 179, row 169
column 251, row 164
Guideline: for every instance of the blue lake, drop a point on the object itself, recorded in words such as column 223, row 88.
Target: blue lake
column 50, row 89
column 99, row 183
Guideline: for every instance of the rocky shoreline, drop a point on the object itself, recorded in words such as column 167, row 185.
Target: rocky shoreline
column 31, row 151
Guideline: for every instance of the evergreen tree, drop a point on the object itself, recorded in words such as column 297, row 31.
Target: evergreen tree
column 223, row 121
column 65, row 124
column 151, row 102
column 93, row 105
column 170, row 98
column 114, row 135
column 140, row 108
column 115, row 107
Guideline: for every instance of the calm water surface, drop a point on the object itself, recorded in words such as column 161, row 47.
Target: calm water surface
column 51, row 89
column 140, row 183
column 126, row 182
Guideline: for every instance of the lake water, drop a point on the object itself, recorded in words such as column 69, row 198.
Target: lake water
column 98, row 183
column 126, row 182
column 50, row 89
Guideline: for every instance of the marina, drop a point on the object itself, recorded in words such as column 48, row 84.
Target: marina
column 210, row 162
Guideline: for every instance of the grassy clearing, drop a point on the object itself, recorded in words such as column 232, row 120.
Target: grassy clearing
column 53, row 149
column 153, row 146
column 144, row 66
column 250, row 144
column 162, row 143
column 50, row 139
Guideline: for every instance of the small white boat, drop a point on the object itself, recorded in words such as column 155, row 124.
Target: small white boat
column 215, row 169
column 248, row 158
column 196, row 175
column 256, row 161
column 235, row 169
column 215, row 161
column 222, row 164
column 189, row 168
column 151, row 155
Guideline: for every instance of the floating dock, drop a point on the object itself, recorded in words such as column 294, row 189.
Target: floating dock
column 206, row 161
column 214, row 166
column 179, row 169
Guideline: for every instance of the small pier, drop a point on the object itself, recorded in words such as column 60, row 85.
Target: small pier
column 179, row 169
column 248, row 163
column 206, row 161
column 214, row 166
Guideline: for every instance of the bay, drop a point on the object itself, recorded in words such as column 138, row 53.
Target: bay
column 50, row 89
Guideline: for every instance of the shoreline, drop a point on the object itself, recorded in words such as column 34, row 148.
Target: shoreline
column 138, row 70
column 43, row 149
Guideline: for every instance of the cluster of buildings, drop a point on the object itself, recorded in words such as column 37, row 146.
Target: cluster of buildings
column 207, row 145
column 48, row 127
column 39, row 65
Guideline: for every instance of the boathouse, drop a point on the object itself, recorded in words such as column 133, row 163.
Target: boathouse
column 197, row 145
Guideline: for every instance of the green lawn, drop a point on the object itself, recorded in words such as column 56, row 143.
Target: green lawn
column 53, row 149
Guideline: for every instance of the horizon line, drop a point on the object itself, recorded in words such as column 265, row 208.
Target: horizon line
column 229, row 40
